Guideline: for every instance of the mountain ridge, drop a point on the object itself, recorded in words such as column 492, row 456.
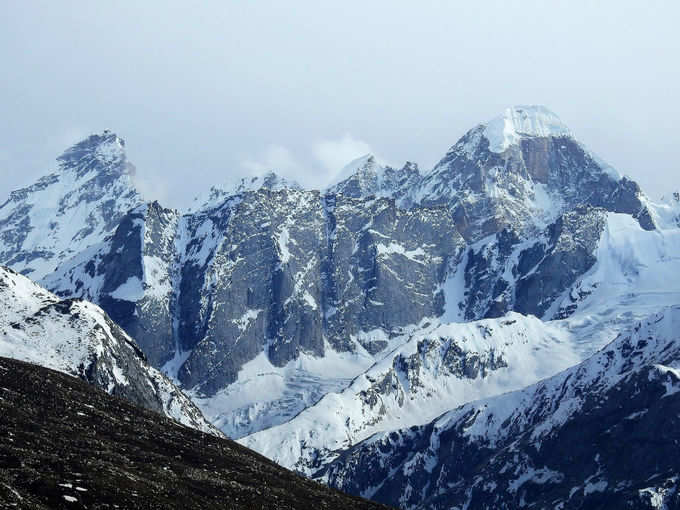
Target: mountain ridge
column 556, row 443
column 263, row 284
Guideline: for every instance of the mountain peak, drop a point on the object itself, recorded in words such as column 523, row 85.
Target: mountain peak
column 106, row 148
column 522, row 121
column 275, row 182
column 364, row 165
column 70, row 209
column 368, row 176
column 217, row 194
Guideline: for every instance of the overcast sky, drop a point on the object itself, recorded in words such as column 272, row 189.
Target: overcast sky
column 203, row 92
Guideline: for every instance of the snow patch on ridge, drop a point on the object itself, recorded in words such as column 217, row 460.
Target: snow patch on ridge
column 393, row 247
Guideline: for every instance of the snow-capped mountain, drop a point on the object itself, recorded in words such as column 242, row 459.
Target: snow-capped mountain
column 635, row 272
column 522, row 170
column 266, row 299
column 70, row 209
column 79, row 339
column 600, row 434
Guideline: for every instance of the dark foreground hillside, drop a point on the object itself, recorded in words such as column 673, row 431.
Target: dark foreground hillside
column 65, row 444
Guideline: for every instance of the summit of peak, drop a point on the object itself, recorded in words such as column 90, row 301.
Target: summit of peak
column 105, row 147
column 368, row 176
column 522, row 121
column 269, row 180
column 72, row 208
column 366, row 163
column 363, row 162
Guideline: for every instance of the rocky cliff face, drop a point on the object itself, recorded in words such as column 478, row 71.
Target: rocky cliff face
column 294, row 271
column 505, row 272
column 264, row 268
column 282, row 272
column 130, row 274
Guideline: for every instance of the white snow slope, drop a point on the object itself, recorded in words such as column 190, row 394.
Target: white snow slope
column 650, row 348
column 437, row 368
column 77, row 338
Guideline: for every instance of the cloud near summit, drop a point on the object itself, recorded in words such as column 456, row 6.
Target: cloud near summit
column 315, row 166
column 335, row 154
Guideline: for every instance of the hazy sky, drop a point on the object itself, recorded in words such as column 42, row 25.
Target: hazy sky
column 206, row 91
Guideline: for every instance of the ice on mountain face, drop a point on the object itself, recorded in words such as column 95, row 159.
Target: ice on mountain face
column 672, row 199
column 131, row 290
column 454, row 293
column 666, row 213
column 523, row 121
column 69, row 210
column 636, row 273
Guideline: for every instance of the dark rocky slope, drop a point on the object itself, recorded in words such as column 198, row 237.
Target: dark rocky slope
column 65, row 444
